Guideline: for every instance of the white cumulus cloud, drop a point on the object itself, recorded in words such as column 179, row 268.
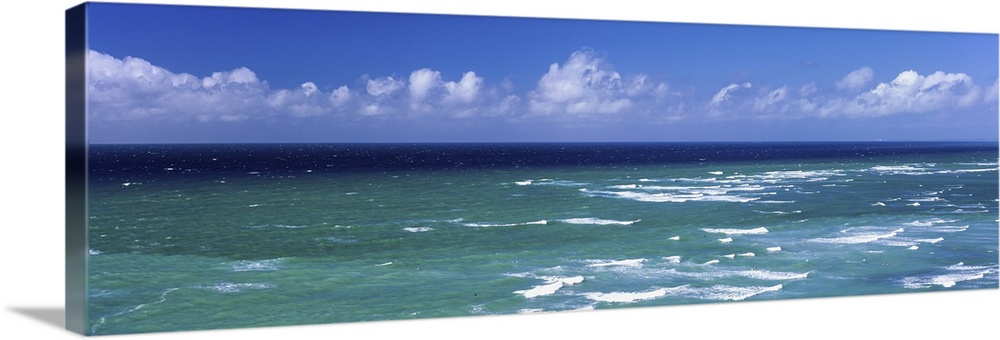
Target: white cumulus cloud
column 132, row 88
column 383, row 86
column 992, row 93
column 586, row 84
column 724, row 93
column 465, row 90
column 857, row 79
column 911, row 92
column 422, row 81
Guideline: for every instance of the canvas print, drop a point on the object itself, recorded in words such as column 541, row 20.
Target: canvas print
column 245, row 167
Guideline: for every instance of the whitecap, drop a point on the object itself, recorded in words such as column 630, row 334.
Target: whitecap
column 597, row 221
column 489, row 225
column 957, row 273
column 623, row 263
column 627, row 297
column 530, row 310
column 281, row 226
column 383, row 264
column 711, row 262
column 732, row 293
column 773, row 249
column 662, row 197
column 256, row 266
column 418, row 229
column 726, row 240
column 675, row 238
column 624, row 186
column 730, row 231
column 229, row 287
column 857, row 238
column 552, row 285
column 778, row 212
column 772, row 276
column 971, row 170
column 747, row 254
column 673, row 259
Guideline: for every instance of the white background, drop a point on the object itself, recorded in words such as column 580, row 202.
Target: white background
column 32, row 126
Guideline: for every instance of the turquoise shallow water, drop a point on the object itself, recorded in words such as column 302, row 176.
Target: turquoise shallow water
column 182, row 246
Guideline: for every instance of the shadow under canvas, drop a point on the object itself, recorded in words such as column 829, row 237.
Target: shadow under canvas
column 54, row 316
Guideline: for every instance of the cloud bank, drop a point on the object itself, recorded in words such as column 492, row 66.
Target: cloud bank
column 584, row 87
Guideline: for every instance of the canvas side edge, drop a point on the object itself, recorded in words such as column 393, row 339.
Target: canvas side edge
column 76, row 170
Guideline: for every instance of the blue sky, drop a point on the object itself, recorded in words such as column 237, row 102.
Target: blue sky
column 200, row 74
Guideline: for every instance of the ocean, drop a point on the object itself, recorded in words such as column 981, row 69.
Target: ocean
column 206, row 236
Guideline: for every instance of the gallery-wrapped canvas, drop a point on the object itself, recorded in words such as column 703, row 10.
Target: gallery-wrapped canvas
column 243, row 167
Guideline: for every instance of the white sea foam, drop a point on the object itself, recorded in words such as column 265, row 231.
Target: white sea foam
column 858, row 237
column 597, row 221
column 257, row 266
column 729, row 256
column 957, row 273
column 675, row 238
column 925, row 199
column 970, row 170
column 772, row 276
column 722, row 274
column 711, row 262
column 673, row 259
column 706, row 195
column 773, row 249
column 726, row 240
column 950, row 229
column 878, row 204
column 910, row 169
column 778, row 176
column 418, row 229
column 530, row 310
column 281, row 226
column 569, row 281
column 624, row 186
column 489, row 225
column 778, row 212
column 556, row 182
column 928, row 223
column 628, row 297
column 621, row 263
column 93, row 252
column 229, row 287
column 717, row 173
column 897, row 243
column 730, row 231
column 552, row 285
column 731, row 293
column 526, row 182
column 747, row 254
column 383, row 264
column 913, row 248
